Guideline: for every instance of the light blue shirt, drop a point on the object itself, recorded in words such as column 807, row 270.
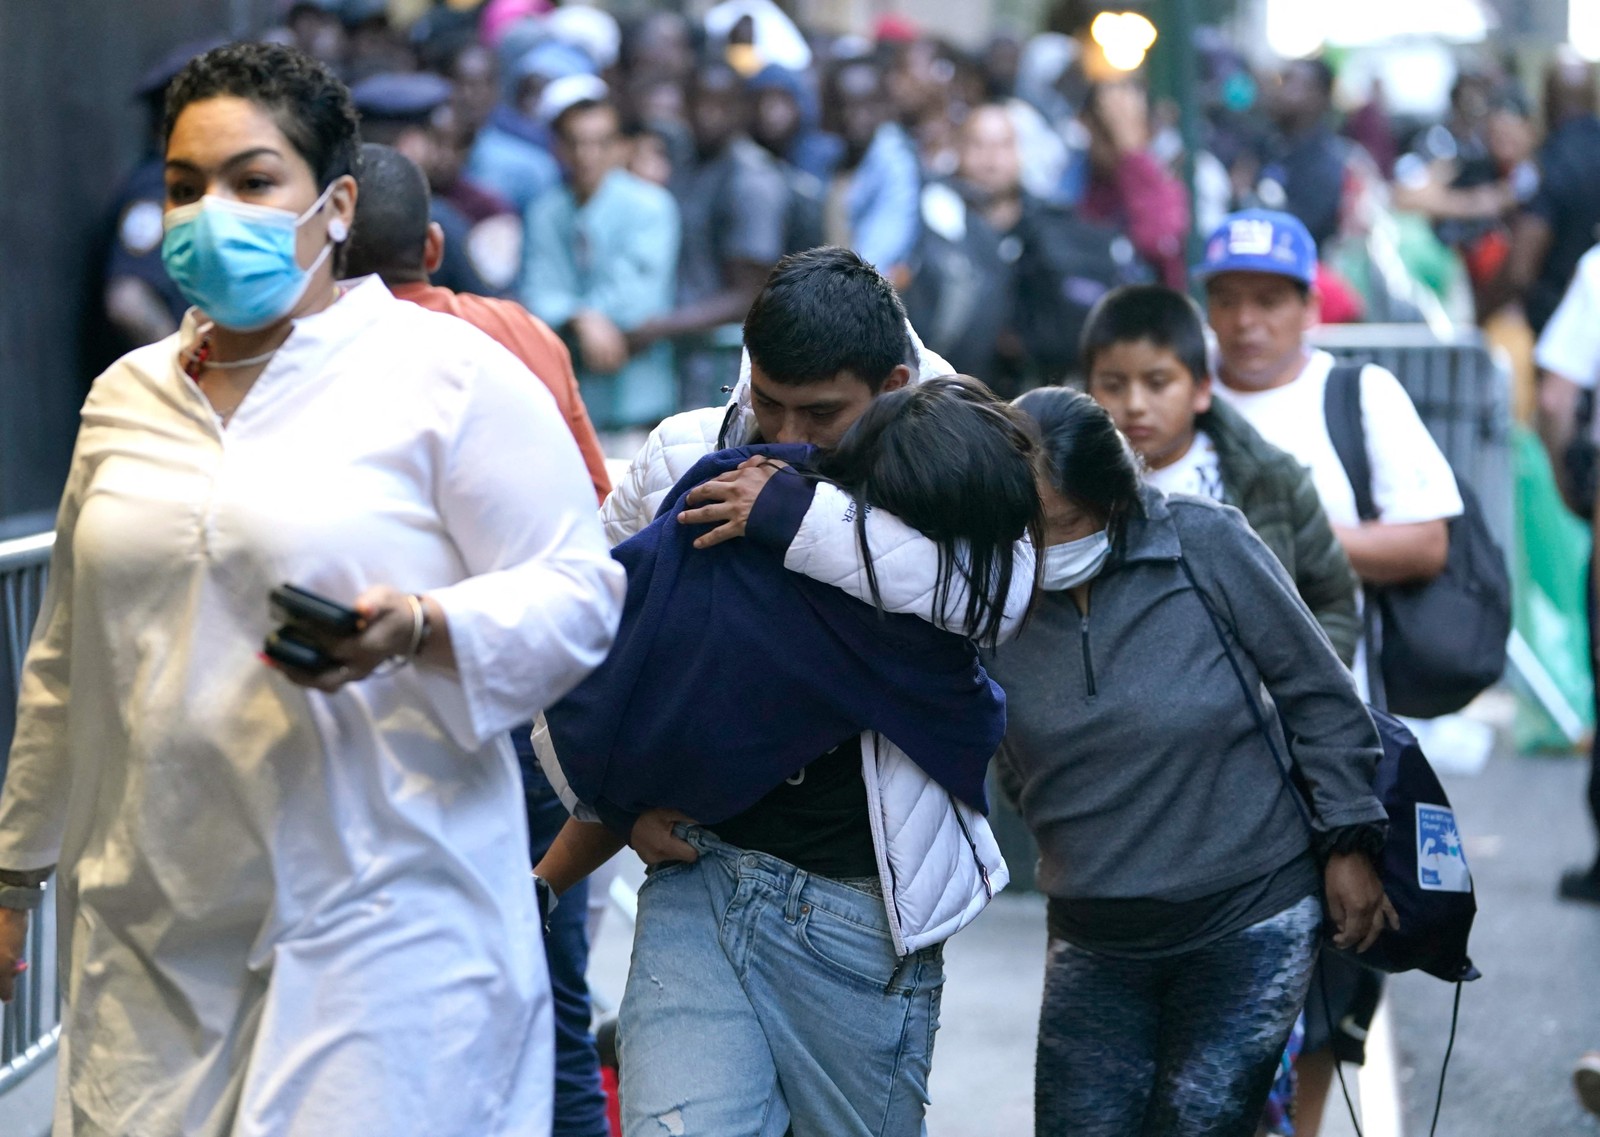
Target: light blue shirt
column 883, row 200
column 616, row 254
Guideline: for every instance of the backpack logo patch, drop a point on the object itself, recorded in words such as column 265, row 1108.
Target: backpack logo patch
column 1441, row 865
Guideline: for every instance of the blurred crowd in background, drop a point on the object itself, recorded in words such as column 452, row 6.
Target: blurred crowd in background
column 632, row 182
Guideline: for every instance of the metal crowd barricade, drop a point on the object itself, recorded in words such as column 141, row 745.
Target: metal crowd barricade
column 30, row 1026
column 1462, row 393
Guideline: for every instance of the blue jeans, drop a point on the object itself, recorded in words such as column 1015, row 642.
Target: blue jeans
column 1179, row 1046
column 580, row 1103
column 762, row 997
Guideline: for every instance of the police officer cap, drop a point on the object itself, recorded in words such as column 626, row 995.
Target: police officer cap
column 355, row 12
column 400, row 95
column 154, row 81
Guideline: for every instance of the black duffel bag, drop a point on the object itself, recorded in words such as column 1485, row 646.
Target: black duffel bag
column 1441, row 642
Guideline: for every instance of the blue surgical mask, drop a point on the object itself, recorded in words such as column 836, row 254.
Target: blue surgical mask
column 1072, row 563
column 236, row 262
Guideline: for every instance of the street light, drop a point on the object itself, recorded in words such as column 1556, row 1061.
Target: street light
column 1124, row 38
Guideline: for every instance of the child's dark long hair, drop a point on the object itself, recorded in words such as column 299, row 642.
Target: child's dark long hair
column 1087, row 459
column 955, row 462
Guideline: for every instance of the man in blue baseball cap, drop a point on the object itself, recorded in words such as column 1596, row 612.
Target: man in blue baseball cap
column 1259, row 269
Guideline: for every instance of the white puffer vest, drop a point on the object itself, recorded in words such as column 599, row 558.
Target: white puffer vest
column 937, row 857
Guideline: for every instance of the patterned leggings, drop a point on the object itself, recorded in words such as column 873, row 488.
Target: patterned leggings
column 1182, row 1046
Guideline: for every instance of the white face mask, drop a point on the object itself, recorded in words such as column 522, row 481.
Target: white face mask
column 1072, row 563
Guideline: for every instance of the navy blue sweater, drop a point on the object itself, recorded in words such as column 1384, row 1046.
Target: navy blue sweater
column 731, row 673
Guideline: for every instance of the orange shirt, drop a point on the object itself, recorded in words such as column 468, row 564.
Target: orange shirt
column 530, row 339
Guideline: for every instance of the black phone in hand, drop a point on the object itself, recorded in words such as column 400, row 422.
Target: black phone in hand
column 309, row 610
column 307, row 615
column 284, row 647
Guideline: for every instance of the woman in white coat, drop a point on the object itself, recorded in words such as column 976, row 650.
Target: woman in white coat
column 294, row 903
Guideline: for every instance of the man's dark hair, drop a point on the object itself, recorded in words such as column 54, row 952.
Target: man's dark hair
column 1161, row 317
column 391, row 224
column 309, row 104
column 823, row 312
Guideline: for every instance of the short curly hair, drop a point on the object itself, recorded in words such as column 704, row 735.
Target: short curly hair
column 308, row 102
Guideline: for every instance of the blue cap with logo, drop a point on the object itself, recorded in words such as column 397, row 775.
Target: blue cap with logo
column 1260, row 240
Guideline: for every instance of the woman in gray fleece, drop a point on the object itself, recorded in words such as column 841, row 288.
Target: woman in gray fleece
column 1186, row 896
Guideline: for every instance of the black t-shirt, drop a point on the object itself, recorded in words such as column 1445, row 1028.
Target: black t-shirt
column 817, row 820
column 1569, row 170
column 1146, row 928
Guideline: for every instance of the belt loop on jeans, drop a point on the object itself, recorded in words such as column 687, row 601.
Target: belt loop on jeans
column 690, row 835
column 792, row 908
column 907, row 960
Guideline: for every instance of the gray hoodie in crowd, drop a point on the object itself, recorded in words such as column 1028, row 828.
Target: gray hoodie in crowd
column 1129, row 746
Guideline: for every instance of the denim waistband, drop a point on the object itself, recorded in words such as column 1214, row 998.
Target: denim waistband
column 852, row 903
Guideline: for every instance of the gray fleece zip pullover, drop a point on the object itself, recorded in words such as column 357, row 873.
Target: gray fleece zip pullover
column 1129, row 745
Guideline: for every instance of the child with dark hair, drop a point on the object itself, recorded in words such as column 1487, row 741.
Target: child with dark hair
column 1144, row 359
column 730, row 675
column 1183, row 886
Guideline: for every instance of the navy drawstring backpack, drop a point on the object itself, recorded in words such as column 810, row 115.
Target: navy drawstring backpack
column 1423, row 869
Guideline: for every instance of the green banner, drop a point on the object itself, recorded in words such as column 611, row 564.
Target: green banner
column 1548, row 571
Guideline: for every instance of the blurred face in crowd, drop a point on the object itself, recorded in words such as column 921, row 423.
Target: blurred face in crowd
column 587, row 142
column 1469, row 101
column 446, row 155
column 777, row 119
column 1151, row 396
column 659, row 100
column 477, row 86
column 815, row 413
column 861, row 105
column 1261, row 320
column 918, row 80
column 320, row 35
column 1001, row 61
column 716, row 109
column 1297, row 100
column 988, row 152
column 662, row 46
column 1510, row 138
column 232, row 148
column 1123, row 103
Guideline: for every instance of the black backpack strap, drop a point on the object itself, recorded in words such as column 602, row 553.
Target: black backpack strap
column 1341, row 406
column 1251, row 699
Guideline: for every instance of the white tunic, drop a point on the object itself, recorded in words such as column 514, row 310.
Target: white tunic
column 293, row 913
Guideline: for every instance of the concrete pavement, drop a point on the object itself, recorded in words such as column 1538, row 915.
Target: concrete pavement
column 1538, row 1006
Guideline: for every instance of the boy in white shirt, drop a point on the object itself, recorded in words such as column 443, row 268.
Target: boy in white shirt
column 1259, row 269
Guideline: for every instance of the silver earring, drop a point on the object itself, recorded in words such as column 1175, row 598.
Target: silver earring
column 337, row 230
